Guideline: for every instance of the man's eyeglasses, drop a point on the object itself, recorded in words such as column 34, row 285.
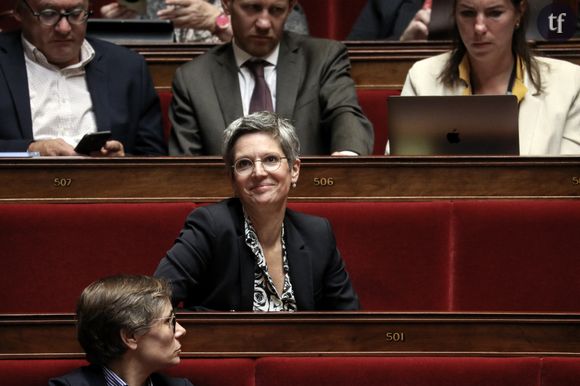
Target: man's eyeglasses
column 51, row 17
column 245, row 166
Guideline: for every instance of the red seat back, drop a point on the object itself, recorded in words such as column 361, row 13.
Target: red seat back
column 52, row 251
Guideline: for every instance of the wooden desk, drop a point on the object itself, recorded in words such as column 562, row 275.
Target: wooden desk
column 378, row 64
column 203, row 179
column 332, row 334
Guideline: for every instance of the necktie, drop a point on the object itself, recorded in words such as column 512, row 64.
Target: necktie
column 261, row 97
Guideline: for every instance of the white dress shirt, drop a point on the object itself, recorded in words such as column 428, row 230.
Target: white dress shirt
column 60, row 101
column 246, row 79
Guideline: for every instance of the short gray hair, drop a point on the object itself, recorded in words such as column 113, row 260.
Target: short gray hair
column 115, row 303
column 261, row 122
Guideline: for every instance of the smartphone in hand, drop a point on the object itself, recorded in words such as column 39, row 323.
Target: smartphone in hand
column 93, row 142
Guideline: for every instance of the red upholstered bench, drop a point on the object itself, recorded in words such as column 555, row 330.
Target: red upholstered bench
column 502, row 255
column 373, row 102
column 560, row 372
column 201, row 372
column 165, row 100
column 409, row 371
column 216, row 372
column 516, row 256
column 34, row 372
column 396, row 253
column 50, row 252
column 337, row 371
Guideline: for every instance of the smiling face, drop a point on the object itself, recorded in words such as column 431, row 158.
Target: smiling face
column 486, row 27
column 262, row 187
column 61, row 43
column 258, row 25
column 159, row 347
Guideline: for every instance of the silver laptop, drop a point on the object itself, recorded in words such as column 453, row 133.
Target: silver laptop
column 453, row 125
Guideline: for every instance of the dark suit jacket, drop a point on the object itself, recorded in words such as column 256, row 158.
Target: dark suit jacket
column 384, row 19
column 314, row 90
column 211, row 267
column 122, row 92
column 93, row 376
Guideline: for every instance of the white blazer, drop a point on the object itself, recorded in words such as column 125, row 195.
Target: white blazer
column 549, row 123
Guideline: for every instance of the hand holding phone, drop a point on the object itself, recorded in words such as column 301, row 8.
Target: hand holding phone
column 93, row 142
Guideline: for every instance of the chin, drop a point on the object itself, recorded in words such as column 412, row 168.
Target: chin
column 261, row 50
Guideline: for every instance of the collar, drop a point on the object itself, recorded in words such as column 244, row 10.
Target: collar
column 36, row 56
column 519, row 89
column 242, row 56
column 112, row 379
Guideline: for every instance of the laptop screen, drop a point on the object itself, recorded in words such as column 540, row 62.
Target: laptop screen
column 453, row 125
column 128, row 30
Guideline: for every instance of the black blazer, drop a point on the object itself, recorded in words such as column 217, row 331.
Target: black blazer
column 93, row 376
column 211, row 267
column 122, row 92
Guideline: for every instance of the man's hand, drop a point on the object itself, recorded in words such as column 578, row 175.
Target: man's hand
column 418, row 28
column 197, row 14
column 52, row 147
column 111, row 149
column 117, row 11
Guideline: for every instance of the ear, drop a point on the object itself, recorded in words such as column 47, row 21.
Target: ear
column 129, row 339
column 295, row 171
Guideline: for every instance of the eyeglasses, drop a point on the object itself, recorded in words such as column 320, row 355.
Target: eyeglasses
column 171, row 319
column 245, row 166
column 51, row 17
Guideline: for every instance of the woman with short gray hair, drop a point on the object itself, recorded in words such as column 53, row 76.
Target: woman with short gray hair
column 252, row 253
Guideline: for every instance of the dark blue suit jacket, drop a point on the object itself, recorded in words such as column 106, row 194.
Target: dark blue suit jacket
column 93, row 376
column 124, row 99
column 210, row 267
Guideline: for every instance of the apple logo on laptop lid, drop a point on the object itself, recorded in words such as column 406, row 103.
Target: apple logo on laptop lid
column 453, row 136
